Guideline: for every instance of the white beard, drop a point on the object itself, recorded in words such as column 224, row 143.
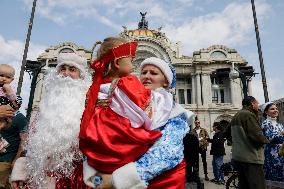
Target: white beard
column 53, row 144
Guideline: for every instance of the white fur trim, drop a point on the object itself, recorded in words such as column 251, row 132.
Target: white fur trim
column 162, row 105
column 51, row 183
column 88, row 174
column 126, row 177
column 178, row 109
column 263, row 106
column 161, row 64
column 72, row 59
column 19, row 172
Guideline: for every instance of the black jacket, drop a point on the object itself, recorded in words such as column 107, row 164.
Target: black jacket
column 217, row 147
column 191, row 148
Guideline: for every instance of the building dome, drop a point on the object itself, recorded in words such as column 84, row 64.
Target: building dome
column 140, row 33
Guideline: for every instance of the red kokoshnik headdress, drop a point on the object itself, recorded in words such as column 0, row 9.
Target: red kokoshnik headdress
column 100, row 65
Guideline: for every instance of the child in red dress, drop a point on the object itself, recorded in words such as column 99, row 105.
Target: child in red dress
column 115, row 124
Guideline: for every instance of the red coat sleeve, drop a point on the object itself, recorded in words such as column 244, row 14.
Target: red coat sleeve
column 135, row 91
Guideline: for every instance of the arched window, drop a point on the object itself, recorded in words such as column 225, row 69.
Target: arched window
column 66, row 50
column 218, row 55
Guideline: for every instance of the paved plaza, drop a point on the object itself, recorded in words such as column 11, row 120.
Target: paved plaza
column 208, row 184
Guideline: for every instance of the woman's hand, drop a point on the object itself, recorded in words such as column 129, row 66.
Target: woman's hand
column 18, row 184
column 106, row 181
column 6, row 111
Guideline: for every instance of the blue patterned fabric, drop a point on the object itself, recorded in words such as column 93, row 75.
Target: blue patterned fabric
column 273, row 163
column 167, row 152
column 174, row 81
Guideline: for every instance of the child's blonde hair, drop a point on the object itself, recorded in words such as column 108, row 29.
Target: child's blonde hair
column 8, row 67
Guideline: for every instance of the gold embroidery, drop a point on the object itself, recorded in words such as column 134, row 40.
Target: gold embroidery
column 107, row 102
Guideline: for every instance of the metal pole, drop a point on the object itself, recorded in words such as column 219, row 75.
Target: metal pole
column 264, row 83
column 244, row 83
column 24, row 61
column 32, row 92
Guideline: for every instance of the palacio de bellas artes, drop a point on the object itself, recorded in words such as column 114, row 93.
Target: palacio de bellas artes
column 204, row 82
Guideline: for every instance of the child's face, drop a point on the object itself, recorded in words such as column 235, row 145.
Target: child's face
column 125, row 66
column 6, row 75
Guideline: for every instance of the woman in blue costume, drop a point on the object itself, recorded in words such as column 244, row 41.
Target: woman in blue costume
column 274, row 131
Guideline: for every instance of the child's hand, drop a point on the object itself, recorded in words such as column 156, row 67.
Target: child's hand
column 8, row 89
column 106, row 181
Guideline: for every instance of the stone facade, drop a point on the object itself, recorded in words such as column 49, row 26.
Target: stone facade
column 196, row 74
column 280, row 105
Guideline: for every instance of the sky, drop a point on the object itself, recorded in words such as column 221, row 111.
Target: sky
column 196, row 24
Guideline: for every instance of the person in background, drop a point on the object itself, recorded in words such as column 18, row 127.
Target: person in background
column 202, row 135
column 15, row 136
column 274, row 131
column 191, row 156
column 218, row 152
column 7, row 94
column 248, row 145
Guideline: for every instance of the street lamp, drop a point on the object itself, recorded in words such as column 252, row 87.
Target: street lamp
column 215, row 86
column 33, row 68
column 244, row 73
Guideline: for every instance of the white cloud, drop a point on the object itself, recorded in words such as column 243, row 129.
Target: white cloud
column 232, row 27
column 11, row 52
column 108, row 11
column 274, row 86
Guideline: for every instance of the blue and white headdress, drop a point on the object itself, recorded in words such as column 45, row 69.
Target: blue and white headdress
column 167, row 69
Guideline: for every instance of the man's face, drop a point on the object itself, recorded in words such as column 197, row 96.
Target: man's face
column 255, row 105
column 197, row 123
column 69, row 71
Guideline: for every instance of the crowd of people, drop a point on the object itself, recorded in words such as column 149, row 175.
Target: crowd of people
column 113, row 130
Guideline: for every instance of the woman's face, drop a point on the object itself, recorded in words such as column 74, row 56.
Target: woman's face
column 272, row 111
column 152, row 77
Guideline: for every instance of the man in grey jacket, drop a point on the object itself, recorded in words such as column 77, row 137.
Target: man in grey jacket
column 247, row 145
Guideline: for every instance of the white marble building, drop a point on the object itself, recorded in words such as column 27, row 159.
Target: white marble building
column 196, row 73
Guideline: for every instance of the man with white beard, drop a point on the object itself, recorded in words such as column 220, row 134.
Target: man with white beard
column 53, row 159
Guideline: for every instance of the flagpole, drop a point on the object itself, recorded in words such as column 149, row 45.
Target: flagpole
column 24, row 60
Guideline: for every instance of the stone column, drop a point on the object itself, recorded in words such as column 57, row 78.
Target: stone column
column 206, row 89
column 193, row 89
column 198, row 90
column 249, row 88
column 236, row 92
